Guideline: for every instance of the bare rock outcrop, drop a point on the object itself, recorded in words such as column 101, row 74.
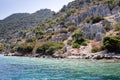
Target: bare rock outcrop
column 115, row 10
column 93, row 31
column 95, row 10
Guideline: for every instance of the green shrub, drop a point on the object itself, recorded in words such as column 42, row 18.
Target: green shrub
column 77, row 35
column 94, row 19
column 84, row 43
column 69, row 42
column 49, row 48
column 42, row 48
column 30, row 40
column 25, row 48
column 38, row 32
column 112, row 3
column 75, row 45
column 14, row 49
column 118, row 3
column 111, row 43
column 117, row 27
column 118, row 34
column 78, row 39
column 72, row 28
column 95, row 49
column 107, row 28
column 2, row 48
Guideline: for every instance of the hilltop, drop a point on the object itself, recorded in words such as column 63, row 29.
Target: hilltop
column 23, row 21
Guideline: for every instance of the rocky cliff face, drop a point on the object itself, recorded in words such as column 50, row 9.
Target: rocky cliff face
column 116, row 10
column 95, row 10
column 93, row 31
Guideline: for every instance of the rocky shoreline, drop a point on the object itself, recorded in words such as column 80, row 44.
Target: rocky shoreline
column 84, row 52
column 103, row 55
column 94, row 32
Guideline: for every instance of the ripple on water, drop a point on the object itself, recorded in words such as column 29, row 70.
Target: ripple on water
column 24, row 68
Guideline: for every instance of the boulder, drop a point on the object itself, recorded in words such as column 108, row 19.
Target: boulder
column 49, row 30
column 58, row 54
column 115, row 10
column 36, row 55
column 17, row 54
column 98, row 56
column 117, row 17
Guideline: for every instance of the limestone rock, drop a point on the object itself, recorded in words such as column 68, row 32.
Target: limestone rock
column 30, row 35
column 60, row 37
column 116, row 10
column 49, row 30
column 93, row 31
column 99, row 36
column 58, row 28
column 95, row 10
column 117, row 17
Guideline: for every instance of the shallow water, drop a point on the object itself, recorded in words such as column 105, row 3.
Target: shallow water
column 24, row 68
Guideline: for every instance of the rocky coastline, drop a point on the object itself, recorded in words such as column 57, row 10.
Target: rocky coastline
column 103, row 55
column 92, row 30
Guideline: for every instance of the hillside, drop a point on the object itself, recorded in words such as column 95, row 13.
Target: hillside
column 21, row 21
column 83, row 29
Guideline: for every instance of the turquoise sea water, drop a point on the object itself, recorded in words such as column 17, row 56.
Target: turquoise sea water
column 22, row 68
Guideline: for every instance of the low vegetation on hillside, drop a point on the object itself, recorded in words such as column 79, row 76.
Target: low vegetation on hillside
column 46, row 32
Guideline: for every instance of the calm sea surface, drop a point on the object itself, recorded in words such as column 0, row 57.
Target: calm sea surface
column 24, row 68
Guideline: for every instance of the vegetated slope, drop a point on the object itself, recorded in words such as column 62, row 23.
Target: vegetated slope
column 20, row 21
column 75, row 8
column 88, row 16
column 66, row 11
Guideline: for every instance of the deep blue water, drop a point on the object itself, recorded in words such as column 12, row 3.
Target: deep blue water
column 24, row 68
